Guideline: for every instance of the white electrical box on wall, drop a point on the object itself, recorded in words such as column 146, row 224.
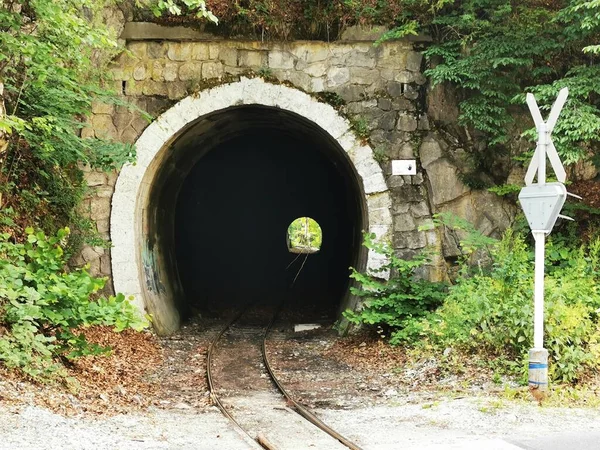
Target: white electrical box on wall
column 404, row 167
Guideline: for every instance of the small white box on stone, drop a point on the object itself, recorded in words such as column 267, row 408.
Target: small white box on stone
column 404, row 167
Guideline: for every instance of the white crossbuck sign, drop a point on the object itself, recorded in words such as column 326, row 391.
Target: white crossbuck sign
column 545, row 145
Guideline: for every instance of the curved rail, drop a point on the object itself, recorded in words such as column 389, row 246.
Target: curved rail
column 211, row 388
column 301, row 410
column 297, row 406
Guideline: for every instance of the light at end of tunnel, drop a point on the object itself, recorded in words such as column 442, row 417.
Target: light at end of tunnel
column 304, row 236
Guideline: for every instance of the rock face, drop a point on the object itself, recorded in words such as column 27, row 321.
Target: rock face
column 379, row 88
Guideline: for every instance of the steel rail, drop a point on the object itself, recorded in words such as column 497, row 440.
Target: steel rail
column 301, row 410
column 297, row 407
column 211, row 387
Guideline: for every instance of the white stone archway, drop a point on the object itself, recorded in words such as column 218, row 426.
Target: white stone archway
column 134, row 180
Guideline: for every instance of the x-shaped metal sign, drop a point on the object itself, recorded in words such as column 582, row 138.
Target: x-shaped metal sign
column 545, row 145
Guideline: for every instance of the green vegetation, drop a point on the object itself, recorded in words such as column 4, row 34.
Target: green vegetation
column 488, row 311
column 392, row 304
column 53, row 66
column 52, row 70
column 305, row 235
column 42, row 305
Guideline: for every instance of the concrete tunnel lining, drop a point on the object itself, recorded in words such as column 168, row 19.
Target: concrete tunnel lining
column 143, row 265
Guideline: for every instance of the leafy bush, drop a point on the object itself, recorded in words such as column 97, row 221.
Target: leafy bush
column 42, row 304
column 491, row 312
column 392, row 303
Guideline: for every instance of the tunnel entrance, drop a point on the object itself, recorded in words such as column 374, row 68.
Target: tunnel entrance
column 200, row 221
column 235, row 206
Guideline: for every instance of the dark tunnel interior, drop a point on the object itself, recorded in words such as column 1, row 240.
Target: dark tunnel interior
column 233, row 211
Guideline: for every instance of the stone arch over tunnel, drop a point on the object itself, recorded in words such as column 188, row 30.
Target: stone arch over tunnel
column 261, row 153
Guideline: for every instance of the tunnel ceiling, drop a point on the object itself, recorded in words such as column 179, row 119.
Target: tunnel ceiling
column 222, row 201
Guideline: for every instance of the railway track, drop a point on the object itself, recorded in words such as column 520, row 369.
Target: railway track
column 244, row 387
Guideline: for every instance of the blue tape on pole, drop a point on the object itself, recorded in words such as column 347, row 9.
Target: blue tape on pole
column 537, row 382
column 538, row 366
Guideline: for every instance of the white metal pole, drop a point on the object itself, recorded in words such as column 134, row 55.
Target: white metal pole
column 543, row 139
column 538, row 296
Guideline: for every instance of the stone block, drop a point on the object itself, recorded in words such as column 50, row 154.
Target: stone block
column 410, row 92
column 89, row 254
column 351, row 93
column 157, row 50
column 138, row 49
column 214, row 50
column 105, row 265
column 280, row 59
column 395, row 89
column 229, row 56
column 122, row 120
column 155, row 88
column 406, row 122
column 102, row 226
column 360, row 59
column 104, row 127
column 200, row 51
column 212, row 69
column 140, row 123
column 384, row 104
column 360, row 75
column 177, row 90
column 87, row 132
column 404, row 77
column 310, row 52
column 429, row 151
column 179, row 51
column 400, row 207
column 299, row 79
column 139, row 72
column 420, row 209
column 133, row 87
column 317, row 69
column 100, row 208
column 102, row 108
column 392, row 57
column 378, row 201
column 317, row 85
column 413, row 61
column 404, row 222
column 252, row 58
column 190, row 71
column 445, row 184
column 129, row 135
column 387, row 121
column 410, row 239
column 157, row 71
column 337, row 76
column 423, row 122
column 170, row 71
column 405, row 151
column 95, row 179
column 403, row 104
column 120, row 73
column 409, row 193
column 104, row 191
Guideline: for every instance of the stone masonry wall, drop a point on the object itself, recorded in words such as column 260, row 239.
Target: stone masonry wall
column 380, row 88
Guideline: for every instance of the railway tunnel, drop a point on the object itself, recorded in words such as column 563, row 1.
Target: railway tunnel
column 220, row 203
